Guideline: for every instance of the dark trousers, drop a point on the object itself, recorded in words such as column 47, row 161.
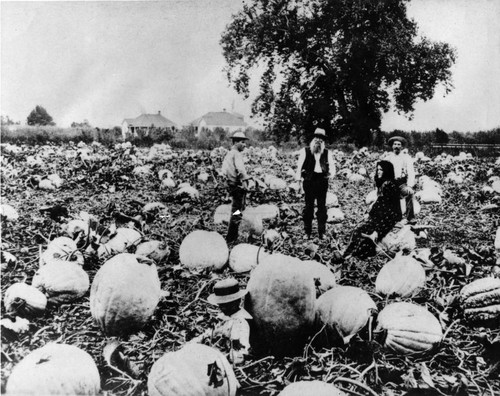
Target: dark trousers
column 315, row 189
column 410, row 212
column 238, row 203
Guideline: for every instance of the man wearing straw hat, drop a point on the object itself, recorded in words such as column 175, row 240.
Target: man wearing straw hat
column 234, row 325
column 233, row 168
column 315, row 166
column 403, row 171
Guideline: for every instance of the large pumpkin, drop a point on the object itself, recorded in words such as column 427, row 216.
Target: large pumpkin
column 408, row 328
column 403, row 276
column 204, row 249
column 281, row 297
column 311, row 388
column 55, row 369
column 194, row 370
column 24, row 300
column 244, row 257
column 62, row 281
column 480, row 300
column 124, row 294
column 341, row 313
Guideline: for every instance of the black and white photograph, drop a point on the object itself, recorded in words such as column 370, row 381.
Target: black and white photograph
column 250, row 197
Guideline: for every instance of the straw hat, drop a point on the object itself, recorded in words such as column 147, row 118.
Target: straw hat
column 239, row 136
column 400, row 139
column 225, row 291
column 320, row 132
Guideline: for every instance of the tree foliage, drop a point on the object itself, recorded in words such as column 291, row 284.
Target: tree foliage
column 5, row 120
column 39, row 116
column 337, row 64
column 84, row 124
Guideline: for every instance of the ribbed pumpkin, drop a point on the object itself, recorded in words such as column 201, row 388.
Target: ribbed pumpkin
column 194, row 370
column 204, row 249
column 281, row 297
column 55, row 369
column 408, row 328
column 244, row 257
column 311, row 388
column 62, row 281
column 342, row 312
column 124, row 294
column 24, row 300
column 480, row 300
column 403, row 276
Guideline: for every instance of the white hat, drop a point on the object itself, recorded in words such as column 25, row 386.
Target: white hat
column 320, row 132
column 239, row 136
column 400, row 139
column 225, row 291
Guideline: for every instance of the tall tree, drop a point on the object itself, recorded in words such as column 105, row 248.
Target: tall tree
column 39, row 116
column 337, row 64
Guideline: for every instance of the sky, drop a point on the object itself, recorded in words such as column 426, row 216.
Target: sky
column 106, row 61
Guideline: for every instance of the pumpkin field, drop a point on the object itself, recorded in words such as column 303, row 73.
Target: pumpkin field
column 111, row 254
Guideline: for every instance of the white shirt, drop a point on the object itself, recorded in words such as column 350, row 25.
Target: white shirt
column 317, row 165
column 403, row 166
column 236, row 328
column 233, row 167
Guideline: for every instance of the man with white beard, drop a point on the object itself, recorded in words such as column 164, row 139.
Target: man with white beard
column 403, row 172
column 315, row 166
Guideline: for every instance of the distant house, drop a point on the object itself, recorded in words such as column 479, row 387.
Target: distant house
column 144, row 123
column 228, row 121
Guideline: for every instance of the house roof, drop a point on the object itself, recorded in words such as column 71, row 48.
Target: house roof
column 146, row 120
column 221, row 118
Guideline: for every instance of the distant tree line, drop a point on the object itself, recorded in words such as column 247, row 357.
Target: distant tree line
column 42, row 130
column 5, row 120
column 423, row 140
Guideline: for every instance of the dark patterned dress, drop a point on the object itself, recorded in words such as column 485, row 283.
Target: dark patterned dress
column 384, row 214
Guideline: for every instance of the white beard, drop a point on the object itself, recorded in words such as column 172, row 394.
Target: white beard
column 317, row 147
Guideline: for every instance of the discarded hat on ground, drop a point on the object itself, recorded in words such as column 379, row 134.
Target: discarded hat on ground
column 400, row 139
column 320, row 132
column 225, row 291
column 239, row 136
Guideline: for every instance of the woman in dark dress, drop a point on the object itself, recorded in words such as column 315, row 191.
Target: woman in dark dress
column 384, row 214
